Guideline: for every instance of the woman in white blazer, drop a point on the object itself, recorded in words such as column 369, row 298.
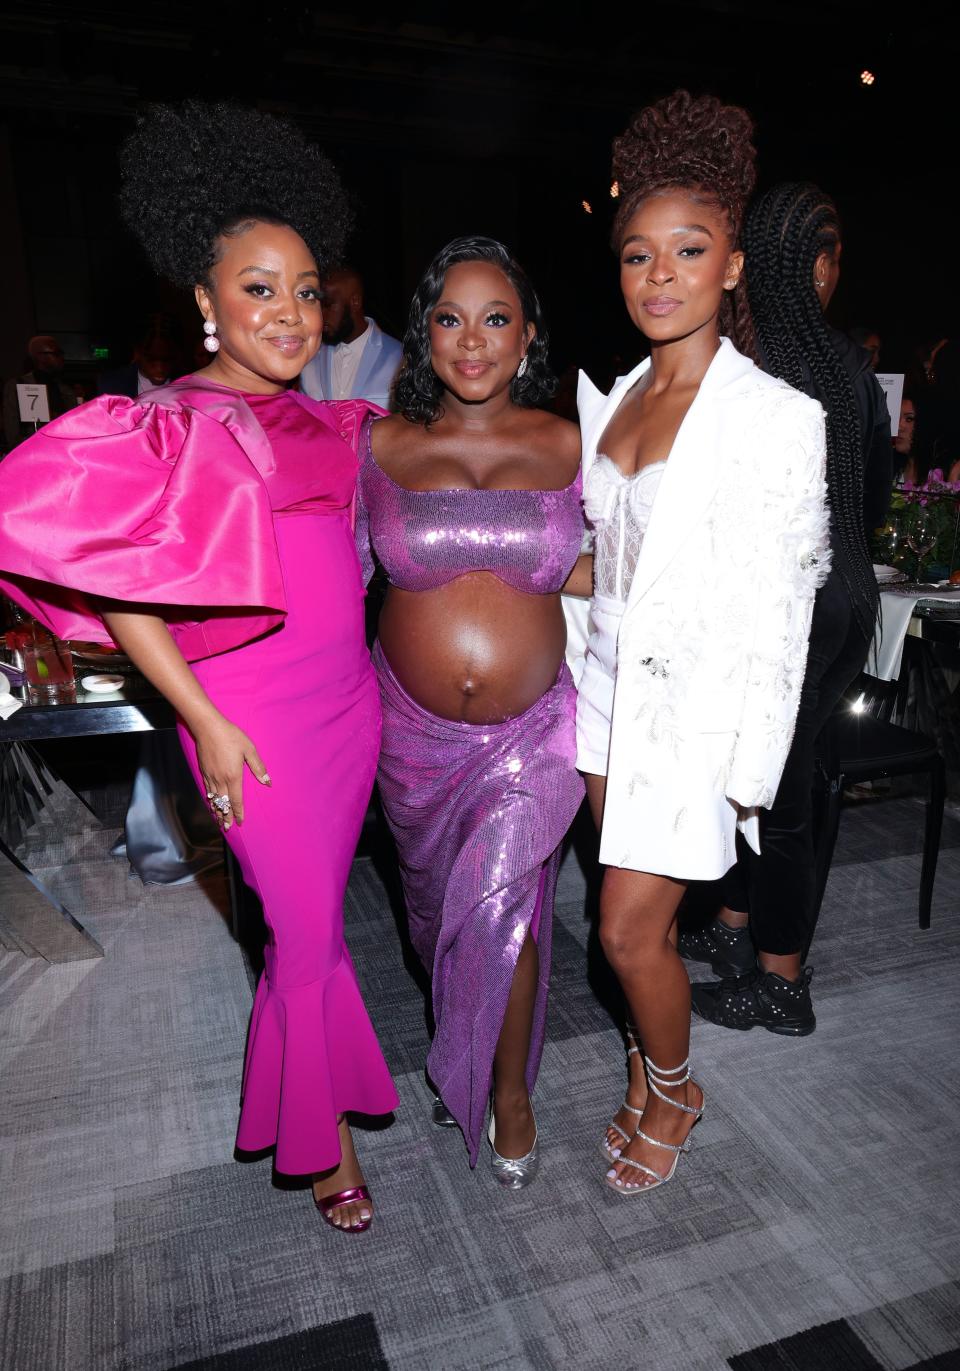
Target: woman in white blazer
column 704, row 484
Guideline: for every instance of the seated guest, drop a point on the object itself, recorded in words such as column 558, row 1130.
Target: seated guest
column 904, row 465
column 154, row 363
column 357, row 360
column 44, row 368
column 937, row 445
column 868, row 339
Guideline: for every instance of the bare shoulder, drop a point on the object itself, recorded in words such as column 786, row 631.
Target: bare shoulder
column 393, row 436
column 556, row 438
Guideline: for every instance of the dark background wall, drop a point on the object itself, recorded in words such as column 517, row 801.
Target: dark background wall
column 446, row 122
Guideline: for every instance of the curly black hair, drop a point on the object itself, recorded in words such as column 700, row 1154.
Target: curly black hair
column 194, row 172
column 699, row 145
column 787, row 229
column 418, row 392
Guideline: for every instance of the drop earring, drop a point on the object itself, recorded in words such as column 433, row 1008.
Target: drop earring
column 211, row 342
column 521, row 369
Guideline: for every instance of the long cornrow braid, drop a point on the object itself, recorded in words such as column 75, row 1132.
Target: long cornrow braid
column 785, row 231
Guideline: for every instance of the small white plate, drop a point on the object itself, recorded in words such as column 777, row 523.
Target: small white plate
column 102, row 685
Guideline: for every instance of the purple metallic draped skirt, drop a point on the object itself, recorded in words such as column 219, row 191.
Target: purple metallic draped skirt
column 478, row 813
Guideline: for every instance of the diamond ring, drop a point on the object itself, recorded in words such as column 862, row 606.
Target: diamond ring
column 221, row 802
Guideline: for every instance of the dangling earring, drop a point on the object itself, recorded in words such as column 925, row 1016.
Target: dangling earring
column 521, row 369
column 211, row 342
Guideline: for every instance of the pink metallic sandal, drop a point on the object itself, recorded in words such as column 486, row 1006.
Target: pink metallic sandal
column 329, row 1203
column 326, row 1204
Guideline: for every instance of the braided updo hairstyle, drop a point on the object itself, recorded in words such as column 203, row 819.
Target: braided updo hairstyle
column 787, row 229
column 195, row 172
column 701, row 146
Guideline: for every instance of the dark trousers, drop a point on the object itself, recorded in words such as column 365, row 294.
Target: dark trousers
column 777, row 888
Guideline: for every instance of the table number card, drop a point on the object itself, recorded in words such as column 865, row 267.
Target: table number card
column 892, row 385
column 34, row 404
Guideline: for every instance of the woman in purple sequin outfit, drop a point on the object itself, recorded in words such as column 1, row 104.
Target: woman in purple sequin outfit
column 470, row 499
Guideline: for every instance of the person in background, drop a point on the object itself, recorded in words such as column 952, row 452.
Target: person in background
column 937, row 442
column 45, row 364
column 868, row 339
column 169, row 834
column 905, row 468
column 357, row 360
column 759, row 939
column 155, row 361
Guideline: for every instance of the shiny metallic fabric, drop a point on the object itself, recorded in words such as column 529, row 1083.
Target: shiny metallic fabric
column 478, row 812
column 514, row 1173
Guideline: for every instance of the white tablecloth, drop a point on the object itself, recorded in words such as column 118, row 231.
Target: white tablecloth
column 896, row 611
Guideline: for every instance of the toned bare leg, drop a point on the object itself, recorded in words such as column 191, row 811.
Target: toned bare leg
column 516, row 1128
column 636, row 1094
column 637, row 929
column 344, row 1177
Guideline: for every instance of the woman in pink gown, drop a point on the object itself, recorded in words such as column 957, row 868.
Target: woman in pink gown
column 207, row 528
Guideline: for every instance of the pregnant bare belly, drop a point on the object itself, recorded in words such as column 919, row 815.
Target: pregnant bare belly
column 475, row 649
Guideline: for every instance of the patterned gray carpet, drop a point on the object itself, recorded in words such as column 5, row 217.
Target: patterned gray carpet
column 814, row 1225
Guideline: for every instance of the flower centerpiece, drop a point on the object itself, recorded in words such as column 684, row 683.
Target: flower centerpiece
column 934, row 506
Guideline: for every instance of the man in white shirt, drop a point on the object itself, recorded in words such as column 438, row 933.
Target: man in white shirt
column 357, row 360
column 155, row 362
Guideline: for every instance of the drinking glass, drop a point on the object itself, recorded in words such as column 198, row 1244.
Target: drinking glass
column 888, row 541
column 48, row 666
column 921, row 536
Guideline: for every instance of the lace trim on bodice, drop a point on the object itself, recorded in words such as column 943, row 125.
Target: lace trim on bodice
column 618, row 509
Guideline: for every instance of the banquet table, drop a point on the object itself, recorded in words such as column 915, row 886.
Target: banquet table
column 54, row 932
column 903, row 610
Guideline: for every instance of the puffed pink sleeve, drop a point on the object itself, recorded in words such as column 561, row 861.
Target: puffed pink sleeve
column 146, row 503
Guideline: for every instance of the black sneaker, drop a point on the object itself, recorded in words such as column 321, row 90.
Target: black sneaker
column 760, row 998
column 728, row 950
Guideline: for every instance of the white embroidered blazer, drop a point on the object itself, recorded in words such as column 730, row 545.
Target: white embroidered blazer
column 713, row 641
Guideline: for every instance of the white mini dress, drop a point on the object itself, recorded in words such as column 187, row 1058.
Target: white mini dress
column 618, row 511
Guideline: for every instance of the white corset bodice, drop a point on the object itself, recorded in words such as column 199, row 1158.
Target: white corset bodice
column 618, row 510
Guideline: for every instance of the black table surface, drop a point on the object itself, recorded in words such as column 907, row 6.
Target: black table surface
column 134, row 708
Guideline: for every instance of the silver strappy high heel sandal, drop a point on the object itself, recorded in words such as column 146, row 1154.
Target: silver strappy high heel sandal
column 611, row 1154
column 658, row 1077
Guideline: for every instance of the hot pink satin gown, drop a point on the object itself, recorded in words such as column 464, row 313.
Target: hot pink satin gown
column 307, row 697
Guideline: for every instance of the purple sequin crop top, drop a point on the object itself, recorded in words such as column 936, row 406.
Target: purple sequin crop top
column 424, row 538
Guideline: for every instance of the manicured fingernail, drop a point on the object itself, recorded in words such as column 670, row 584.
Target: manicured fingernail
column 266, row 780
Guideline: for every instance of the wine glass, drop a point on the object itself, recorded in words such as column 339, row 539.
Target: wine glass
column 888, row 542
column 921, row 536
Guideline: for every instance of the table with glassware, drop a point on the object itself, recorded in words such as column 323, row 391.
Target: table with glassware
column 905, row 606
column 917, row 644
column 50, row 690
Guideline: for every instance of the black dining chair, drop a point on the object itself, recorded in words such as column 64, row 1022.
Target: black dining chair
column 859, row 743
